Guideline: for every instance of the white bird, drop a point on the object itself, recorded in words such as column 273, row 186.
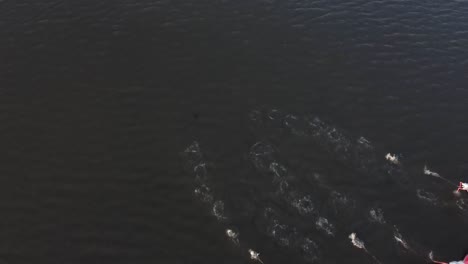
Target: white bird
column 233, row 236
column 435, row 174
column 359, row 244
column 392, row 158
column 356, row 241
column 429, row 172
column 255, row 256
column 399, row 239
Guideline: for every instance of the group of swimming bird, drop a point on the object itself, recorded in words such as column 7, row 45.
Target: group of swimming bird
column 462, row 186
column 358, row 154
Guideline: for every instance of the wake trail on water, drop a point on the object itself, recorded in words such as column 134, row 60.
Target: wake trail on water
column 437, row 175
column 197, row 165
column 303, row 211
column 338, row 202
column 358, row 153
column 360, row 244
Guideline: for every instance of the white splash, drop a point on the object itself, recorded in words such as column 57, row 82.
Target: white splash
column 289, row 117
column 392, row 158
column 309, row 250
column 399, row 238
column 303, row 205
column 281, row 233
column 435, row 174
column 339, row 198
column 356, row 241
column 462, row 204
column 278, row 170
column 360, row 244
column 363, row 140
column 200, row 171
column 323, row 224
column 376, row 215
column 272, row 113
column 218, row 210
column 233, row 236
column 204, row 194
column 193, row 148
column 431, row 256
column 427, row 196
column 430, row 173
column 255, row 256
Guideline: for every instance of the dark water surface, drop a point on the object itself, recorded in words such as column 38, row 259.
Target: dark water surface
column 98, row 99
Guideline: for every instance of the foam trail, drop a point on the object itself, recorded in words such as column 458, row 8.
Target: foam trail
column 462, row 204
column 309, row 250
column 193, row 154
column 200, row 172
column 431, row 258
column 303, row 203
column 218, row 210
column 233, row 236
column 427, row 196
column 262, row 155
column 360, row 244
column 358, row 153
column 437, row 175
column 356, row 241
column 323, row 224
column 399, row 239
column 281, row 233
column 204, row 194
column 255, row 256
column 355, row 152
column 288, row 236
column 429, row 172
column 197, row 165
column 376, row 215
column 403, row 243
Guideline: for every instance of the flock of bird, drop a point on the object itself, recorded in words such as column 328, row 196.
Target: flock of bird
column 355, row 241
column 319, row 130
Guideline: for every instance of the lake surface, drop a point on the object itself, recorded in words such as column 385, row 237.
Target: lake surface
column 138, row 131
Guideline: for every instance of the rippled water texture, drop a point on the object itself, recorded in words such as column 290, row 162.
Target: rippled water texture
column 139, row 131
